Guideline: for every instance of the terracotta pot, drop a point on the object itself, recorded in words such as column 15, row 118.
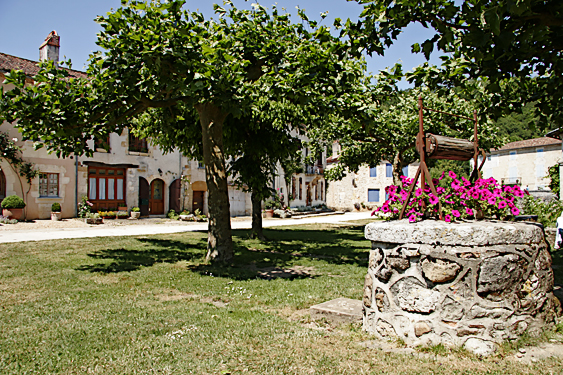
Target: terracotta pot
column 12, row 213
column 269, row 214
column 56, row 216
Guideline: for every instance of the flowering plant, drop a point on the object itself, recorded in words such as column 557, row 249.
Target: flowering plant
column 459, row 199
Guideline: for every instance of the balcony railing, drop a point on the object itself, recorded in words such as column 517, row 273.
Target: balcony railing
column 511, row 181
column 314, row 169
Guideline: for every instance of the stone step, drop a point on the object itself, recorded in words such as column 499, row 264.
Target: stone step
column 340, row 310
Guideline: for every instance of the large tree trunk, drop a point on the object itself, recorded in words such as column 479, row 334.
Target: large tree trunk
column 219, row 240
column 257, row 216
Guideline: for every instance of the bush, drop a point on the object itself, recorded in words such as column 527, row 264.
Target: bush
column 84, row 207
column 172, row 215
column 13, row 201
column 547, row 212
column 135, row 209
column 56, row 207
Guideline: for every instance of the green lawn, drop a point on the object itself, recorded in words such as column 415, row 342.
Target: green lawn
column 150, row 305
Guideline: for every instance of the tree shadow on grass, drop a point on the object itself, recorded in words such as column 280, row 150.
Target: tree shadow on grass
column 159, row 251
column 279, row 256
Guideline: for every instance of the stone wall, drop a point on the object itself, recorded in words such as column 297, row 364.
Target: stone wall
column 468, row 284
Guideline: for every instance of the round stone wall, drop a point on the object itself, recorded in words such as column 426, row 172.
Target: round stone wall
column 466, row 284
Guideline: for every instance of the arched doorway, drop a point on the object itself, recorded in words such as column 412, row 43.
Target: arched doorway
column 2, row 185
column 198, row 203
column 174, row 195
column 156, row 201
column 144, row 196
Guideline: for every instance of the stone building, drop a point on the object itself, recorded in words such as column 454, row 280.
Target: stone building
column 524, row 163
column 127, row 171
column 365, row 188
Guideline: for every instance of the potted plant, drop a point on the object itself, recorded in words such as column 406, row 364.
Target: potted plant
column 122, row 207
column 12, row 207
column 122, row 214
column 93, row 218
column 135, row 213
column 56, row 211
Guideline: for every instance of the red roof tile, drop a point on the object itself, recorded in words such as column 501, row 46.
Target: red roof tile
column 536, row 142
column 29, row 67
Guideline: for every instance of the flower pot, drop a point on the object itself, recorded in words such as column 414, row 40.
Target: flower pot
column 56, row 216
column 269, row 214
column 12, row 213
column 135, row 215
column 94, row 220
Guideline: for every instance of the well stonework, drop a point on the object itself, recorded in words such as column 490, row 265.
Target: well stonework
column 468, row 284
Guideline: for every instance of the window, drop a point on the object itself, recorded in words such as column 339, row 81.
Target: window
column 388, row 170
column 300, row 188
column 48, row 184
column 405, row 171
column 293, row 189
column 102, row 144
column 137, row 144
column 373, row 195
column 373, row 171
column 106, row 187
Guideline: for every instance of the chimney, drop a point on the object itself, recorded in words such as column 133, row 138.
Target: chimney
column 49, row 50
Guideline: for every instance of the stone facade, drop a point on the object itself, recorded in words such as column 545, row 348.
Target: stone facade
column 470, row 284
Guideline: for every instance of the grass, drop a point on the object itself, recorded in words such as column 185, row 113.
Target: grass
column 151, row 305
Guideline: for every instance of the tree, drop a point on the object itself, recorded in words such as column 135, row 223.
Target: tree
column 185, row 68
column 12, row 154
column 500, row 40
column 390, row 124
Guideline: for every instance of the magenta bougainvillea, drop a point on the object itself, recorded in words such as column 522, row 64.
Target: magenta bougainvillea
column 459, row 198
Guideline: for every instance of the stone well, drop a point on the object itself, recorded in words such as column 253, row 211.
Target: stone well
column 468, row 284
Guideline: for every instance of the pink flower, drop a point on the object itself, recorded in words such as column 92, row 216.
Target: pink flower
column 90, row 203
column 452, row 174
column 501, row 204
column 412, row 218
column 442, row 176
column 418, row 192
column 456, row 213
column 455, row 185
column 385, row 207
column 447, row 218
column 515, row 211
column 469, row 211
column 492, row 200
column 475, row 195
column 466, row 182
column 374, row 211
column 433, row 199
column 508, row 189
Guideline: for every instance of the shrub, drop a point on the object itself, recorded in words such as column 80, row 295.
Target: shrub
column 13, row 201
column 5, row 220
column 172, row 215
column 84, row 207
column 547, row 212
column 135, row 209
column 56, row 207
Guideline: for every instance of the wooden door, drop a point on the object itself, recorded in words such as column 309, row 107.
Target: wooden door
column 156, row 202
column 144, row 196
column 174, row 194
column 2, row 185
column 198, row 201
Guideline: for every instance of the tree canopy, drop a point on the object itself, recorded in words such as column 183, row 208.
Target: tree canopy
column 162, row 58
column 499, row 40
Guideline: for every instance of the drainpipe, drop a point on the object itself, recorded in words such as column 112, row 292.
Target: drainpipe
column 76, row 185
column 180, row 177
